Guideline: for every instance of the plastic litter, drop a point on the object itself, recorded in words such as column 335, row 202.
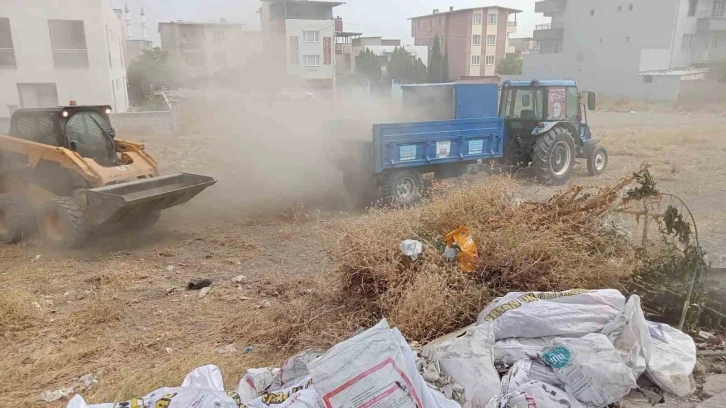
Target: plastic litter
column 629, row 334
column 524, row 371
column 535, row 394
column 511, row 350
column 198, row 284
column 673, row 356
column 571, row 313
column 590, row 368
column 461, row 240
column 411, row 248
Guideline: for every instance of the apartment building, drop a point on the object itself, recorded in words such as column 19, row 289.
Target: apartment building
column 524, row 45
column 476, row 39
column 51, row 53
column 202, row 49
column 627, row 47
column 384, row 48
column 300, row 36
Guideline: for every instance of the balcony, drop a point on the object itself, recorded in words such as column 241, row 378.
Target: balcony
column 511, row 26
column 549, row 7
column 549, row 32
column 711, row 20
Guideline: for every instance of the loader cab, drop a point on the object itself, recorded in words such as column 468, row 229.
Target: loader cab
column 85, row 130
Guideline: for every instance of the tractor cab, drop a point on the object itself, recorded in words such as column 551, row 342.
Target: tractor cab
column 85, row 130
column 536, row 113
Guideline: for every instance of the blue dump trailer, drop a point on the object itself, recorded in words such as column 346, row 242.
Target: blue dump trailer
column 540, row 124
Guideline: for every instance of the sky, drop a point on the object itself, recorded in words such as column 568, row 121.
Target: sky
column 386, row 18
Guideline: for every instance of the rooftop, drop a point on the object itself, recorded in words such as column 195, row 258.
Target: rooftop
column 180, row 22
column 330, row 3
column 511, row 10
column 347, row 34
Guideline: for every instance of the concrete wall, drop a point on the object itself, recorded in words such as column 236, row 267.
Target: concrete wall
column 34, row 55
column 604, row 52
column 143, row 122
column 295, row 28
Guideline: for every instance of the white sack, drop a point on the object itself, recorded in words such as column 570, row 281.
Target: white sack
column 672, row 359
column 256, row 381
column 570, row 313
column 524, row 371
column 300, row 395
column 535, row 394
column 629, row 334
column 590, row 368
column 295, row 368
column 368, row 370
column 511, row 350
column 469, row 361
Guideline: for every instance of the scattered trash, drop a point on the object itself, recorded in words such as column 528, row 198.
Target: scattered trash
column 248, row 349
column 35, row 259
column 170, row 268
column 204, row 292
column 411, row 248
column 263, row 305
column 672, row 359
column 169, row 350
column 245, row 298
column 80, row 384
column 55, row 395
column 229, row 348
column 198, row 284
column 535, row 394
column 239, row 279
column 461, row 240
column 170, row 291
column 628, row 332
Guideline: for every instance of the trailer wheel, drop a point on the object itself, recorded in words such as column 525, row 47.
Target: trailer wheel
column 553, row 157
column 597, row 160
column 64, row 222
column 404, row 187
column 16, row 219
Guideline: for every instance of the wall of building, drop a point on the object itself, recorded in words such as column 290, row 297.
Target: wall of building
column 295, row 28
column 604, row 52
column 458, row 43
column 34, row 53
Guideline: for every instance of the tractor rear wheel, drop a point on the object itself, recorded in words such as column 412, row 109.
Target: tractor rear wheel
column 64, row 222
column 597, row 160
column 554, row 157
column 404, row 188
column 16, row 219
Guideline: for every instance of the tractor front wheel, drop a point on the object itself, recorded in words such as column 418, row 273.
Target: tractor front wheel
column 554, row 157
column 64, row 222
column 16, row 218
column 404, row 188
column 597, row 160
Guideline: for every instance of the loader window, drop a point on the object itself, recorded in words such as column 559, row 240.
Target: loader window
column 90, row 133
column 39, row 129
column 523, row 103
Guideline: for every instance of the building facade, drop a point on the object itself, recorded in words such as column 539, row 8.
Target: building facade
column 524, row 45
column 51, row 53
column 203, row 49
column 300, row 36
column 476, row 39
column 615, row 47
column 384, row 48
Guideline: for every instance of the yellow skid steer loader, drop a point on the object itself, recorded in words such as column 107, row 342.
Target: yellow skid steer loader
column 62, row 171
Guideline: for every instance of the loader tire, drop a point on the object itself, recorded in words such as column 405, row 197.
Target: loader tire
column 404, row 188
column 17, row 219
column 554, row 157
column 64, row 223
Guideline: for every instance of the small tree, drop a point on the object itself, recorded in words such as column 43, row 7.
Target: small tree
column 510, row 65
column 150, row 71
column 445, row 70
column 368, row 65
column 436, row 62
column 420, row 72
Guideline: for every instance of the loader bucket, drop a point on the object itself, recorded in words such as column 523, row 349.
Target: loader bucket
column 118, row 202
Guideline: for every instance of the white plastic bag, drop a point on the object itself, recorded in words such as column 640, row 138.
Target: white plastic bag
column 368, row 370
column 256, row 381
column 469, row 361
column 295, row 368
column 524, row 371
column 300, row 395
column 411, row 248
column 629, row 334
column 590, row 368
column 535, row 394
column 571, row 313
column 511, row 350
column 672, row 359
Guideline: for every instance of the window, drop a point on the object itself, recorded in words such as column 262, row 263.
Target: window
column 37, row 95
column 592, row 12
column 491, row 40
column 573, row 105
column 195, row 59
column 218, row 37
column 294, row 51
column 420, row 23
column 68, row 39
column 687, row 43
column 713, row 45
column 311, row 60
column 630, row 7
column 221, row 59
column 433, row 22
column 475, row 59
column 627, row 39
column 648, row 79
column 556, row 47
column 476, row 40
column 90, row 132
column 718, row 8
column 7, row 52
column 692, row 6
column 490, row 60
column 522, row 103
column 310, row 36
column 492, row 18
column 477, row 18
column 441, row 21
column 108, row 45
column 35, row 128
column 620, row 8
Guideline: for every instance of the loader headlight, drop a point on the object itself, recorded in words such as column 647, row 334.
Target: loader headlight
column 64, row 113
column 108, row 111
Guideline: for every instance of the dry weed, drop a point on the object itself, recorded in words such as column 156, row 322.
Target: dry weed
column 18, row 311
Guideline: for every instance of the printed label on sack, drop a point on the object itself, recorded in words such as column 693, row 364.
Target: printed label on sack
column 557, row 357
column 443, row 148
column 529, row 298
column 407, row 152
column 656, row 332
column 476, row 146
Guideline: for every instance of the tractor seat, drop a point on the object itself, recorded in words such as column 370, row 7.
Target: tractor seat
column 528, row 114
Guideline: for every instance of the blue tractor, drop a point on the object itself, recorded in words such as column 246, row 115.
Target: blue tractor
column 542, row 124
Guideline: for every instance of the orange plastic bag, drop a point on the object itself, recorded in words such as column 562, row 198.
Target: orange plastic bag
column 461, row 239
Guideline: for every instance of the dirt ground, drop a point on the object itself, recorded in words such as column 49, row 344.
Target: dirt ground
column 118, row 308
